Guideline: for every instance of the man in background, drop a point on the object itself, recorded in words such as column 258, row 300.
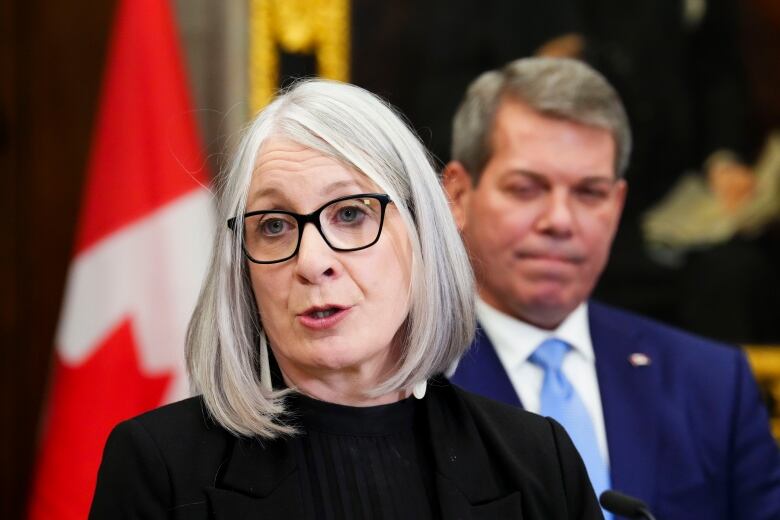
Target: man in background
column 539, row 149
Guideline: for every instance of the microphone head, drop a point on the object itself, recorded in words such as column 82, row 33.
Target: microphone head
column 623, row 505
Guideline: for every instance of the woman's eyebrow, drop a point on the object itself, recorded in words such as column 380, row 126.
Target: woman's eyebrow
column 276, row 196
column 270, row 192
column 338, row 185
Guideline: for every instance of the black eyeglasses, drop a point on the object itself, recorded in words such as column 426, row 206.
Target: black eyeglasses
column 346, row 224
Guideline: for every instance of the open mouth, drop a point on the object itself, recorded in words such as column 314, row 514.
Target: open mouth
column 319, row 318
column 324, row 313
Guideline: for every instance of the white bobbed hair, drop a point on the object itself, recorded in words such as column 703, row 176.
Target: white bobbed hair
column 226, row 350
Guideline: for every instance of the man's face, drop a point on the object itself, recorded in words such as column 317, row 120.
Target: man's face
column 540, row 222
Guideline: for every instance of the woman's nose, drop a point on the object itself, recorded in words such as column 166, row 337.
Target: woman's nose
column 315, row 259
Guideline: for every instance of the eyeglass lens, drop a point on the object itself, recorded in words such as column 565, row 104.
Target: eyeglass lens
column 345, row 224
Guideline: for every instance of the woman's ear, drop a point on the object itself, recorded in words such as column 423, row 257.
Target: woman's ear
column 457, row 183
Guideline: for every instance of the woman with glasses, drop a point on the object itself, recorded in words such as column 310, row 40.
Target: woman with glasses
column 338, row 293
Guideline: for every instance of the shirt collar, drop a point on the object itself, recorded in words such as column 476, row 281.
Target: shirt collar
column 516, row 340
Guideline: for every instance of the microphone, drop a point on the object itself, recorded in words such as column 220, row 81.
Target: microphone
column 624, row 505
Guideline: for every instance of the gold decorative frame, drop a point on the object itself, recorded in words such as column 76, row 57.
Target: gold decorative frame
column 319, row 27
column 765, row 361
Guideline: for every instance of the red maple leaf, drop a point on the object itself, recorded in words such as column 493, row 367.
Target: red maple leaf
column 87, row 401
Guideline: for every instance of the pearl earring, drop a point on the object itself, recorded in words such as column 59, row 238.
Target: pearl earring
column 419, row 389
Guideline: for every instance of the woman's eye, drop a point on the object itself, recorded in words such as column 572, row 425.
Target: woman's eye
column 273, row 227
column 349, row 214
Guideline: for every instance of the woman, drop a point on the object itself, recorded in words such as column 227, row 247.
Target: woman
column 314, row 348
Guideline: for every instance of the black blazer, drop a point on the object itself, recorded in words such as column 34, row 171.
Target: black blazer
column 491, row 461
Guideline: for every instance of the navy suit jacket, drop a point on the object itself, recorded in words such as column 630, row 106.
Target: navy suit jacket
column 688, row 433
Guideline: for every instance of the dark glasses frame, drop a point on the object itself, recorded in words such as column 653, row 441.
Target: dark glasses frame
column 313, row 218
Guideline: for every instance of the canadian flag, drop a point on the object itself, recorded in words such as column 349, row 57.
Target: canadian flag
column 141, row 251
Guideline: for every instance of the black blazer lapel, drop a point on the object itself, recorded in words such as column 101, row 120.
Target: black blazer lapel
column 629, row 400
column 466, row 481
column 258, row 481
column 455, row 505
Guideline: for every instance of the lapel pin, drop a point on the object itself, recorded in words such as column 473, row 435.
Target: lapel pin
column 639, row 359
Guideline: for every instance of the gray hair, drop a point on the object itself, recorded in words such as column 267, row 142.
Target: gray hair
column 226, row 349
column 557, row 87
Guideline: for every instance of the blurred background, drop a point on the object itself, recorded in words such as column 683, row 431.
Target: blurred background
column 699, row 245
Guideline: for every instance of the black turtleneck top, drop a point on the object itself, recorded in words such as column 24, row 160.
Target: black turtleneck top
column 364, row 462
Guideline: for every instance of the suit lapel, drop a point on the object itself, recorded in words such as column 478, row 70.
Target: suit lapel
column 258, row 481
column 466, row 482
column 481, row 372
column 628, row 401
column 262, row 480
column 627, row 395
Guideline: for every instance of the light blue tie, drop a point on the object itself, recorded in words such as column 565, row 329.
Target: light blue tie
column 560, row 401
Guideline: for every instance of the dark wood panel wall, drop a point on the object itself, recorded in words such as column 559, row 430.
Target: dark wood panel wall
column 52, row 59
column 761, row 37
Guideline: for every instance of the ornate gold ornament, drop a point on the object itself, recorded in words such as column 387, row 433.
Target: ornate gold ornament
column 319, row 27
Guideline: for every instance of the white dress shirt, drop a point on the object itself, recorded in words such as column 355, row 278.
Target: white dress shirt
column 515, row 341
